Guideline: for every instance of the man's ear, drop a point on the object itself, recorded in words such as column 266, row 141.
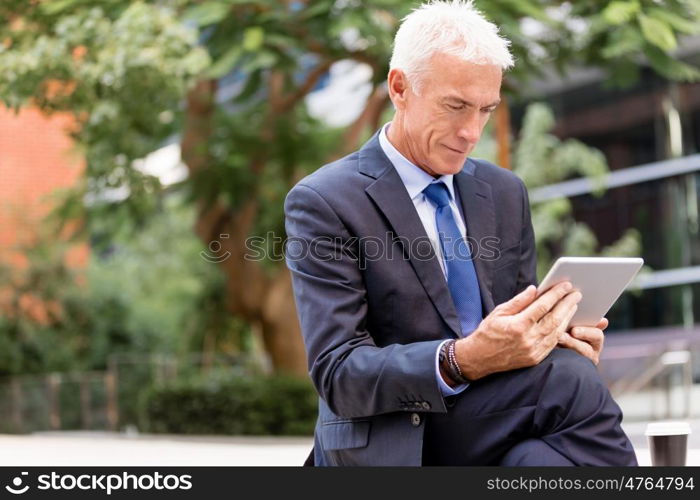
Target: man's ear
column 398, row 88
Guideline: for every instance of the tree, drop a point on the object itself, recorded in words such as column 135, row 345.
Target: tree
column 124, row 68
column 148, row 293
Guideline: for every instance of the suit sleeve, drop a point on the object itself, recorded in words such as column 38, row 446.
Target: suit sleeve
column 354, row 376
column 527, row 271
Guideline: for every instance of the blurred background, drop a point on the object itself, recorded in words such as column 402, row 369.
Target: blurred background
column 146, row 148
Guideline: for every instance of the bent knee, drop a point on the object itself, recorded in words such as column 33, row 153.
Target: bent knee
column 573, row 370
column 574, row 387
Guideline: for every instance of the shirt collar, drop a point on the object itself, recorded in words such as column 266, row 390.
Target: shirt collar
column 414, row 178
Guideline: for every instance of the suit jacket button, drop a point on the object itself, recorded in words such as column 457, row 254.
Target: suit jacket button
column 415, row 419
column 426, row 405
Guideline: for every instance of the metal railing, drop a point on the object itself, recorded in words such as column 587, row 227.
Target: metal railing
column 97, row 400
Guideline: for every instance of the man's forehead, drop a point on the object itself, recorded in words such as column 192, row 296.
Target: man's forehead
column 443, row 60
column 458, row 76
column 465, row 91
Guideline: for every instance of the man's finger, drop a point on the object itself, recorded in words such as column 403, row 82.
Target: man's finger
column 593, row 336
column 569, row 315
column 549, row 301
column 583, row 348
column 603, row 324
column 559, row 317
column 520, row 301
column 545, row 302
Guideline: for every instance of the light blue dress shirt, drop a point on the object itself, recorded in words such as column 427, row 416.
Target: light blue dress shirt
column 415, row 179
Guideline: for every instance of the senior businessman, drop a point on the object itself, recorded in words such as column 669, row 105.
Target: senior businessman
column 413, row 269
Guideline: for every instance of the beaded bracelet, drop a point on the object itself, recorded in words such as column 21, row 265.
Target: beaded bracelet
column 449, row 363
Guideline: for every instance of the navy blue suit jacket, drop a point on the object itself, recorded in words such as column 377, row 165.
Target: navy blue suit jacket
column 373, row 302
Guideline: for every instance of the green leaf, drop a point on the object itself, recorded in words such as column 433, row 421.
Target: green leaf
column 261, row 60
column 617, row 13
column 623, row 41
column 669, row 67
column 280, row 40
column 657, row 32
column 252, row 85
column 527, row 8
column 316, row 9
column 675, row 21
column 226, row 62
column 253, row 38
column 58, row 6
column 622, row 74
column 207, row 13
column 693, row 6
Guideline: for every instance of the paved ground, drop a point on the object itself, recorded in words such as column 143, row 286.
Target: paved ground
column 105, row 449
column 112, row 449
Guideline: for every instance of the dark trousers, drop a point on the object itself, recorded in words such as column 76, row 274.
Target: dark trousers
column 558, row 412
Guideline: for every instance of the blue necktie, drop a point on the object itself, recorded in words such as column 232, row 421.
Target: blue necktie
column 461, row 275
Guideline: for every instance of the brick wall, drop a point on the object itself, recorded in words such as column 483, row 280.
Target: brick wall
column 36, row 157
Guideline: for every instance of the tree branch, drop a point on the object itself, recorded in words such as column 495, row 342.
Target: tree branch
column 200, row 106
column 369, row 117
column 309, row 83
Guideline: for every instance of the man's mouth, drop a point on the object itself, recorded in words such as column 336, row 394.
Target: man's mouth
column 455, row 150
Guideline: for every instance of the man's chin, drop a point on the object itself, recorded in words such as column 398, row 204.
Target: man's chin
column 452, row 168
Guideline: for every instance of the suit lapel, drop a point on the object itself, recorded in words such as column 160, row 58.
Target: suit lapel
column 392, row 199
column 477, row 205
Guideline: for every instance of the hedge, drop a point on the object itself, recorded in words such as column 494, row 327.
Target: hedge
column 237, row 406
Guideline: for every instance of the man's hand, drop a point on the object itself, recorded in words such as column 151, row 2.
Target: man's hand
column 518, row 333
column 586, row 340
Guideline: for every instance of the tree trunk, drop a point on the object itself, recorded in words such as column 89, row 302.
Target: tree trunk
column 281, row 331
column 252, row 295
column 502, row 129
column 264, row 301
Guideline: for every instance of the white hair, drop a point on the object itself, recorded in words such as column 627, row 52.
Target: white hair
column 453, row 27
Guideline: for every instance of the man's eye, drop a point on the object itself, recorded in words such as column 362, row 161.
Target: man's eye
column 455, row 108
column 489, row 110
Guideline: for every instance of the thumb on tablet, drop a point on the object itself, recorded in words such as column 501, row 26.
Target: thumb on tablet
column 520, row 301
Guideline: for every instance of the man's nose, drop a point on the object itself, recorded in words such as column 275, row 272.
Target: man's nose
column 470, row 128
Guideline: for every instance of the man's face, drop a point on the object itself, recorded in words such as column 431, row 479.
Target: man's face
column 442, row 125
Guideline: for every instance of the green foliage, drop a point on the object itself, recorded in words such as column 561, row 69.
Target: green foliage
column 175, row 297
column 123, row 68
column 541, row 159
column 617, row 13
column 676, row 21
column 232, row 406
column 120, row 68
column 253, row 35
column 616, row 35
column 151, row 293
column 657, row 32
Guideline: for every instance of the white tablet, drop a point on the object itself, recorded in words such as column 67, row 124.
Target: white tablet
column 601, row 280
